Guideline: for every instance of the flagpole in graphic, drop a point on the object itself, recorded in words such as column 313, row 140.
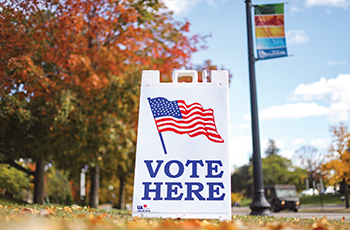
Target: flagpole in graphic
column 160, row 133
column 161, row 139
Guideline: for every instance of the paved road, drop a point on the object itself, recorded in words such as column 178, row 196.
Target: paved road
column 290, row 214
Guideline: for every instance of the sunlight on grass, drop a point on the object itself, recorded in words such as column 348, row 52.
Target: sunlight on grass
column 76, row 217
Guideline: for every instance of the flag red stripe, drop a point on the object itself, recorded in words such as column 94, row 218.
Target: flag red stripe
column 187, row 127
column 196, row 121
column 194, row 134
column 186, row 114
column 185, row 121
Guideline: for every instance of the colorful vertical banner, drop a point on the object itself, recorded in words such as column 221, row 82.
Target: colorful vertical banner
column 269, row 31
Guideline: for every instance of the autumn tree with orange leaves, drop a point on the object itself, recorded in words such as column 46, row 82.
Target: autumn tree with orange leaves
column 339, row 158
column 70, row 74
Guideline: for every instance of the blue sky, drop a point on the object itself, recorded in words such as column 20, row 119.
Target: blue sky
column 299, row 97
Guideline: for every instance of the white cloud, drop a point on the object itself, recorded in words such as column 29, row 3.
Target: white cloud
column 240, row 126
column 280, row 144
column 317, row 88
column 184, row 6
column 287, row 154
column 298, row 110
column 296, row 37
column 339, row 111
column 298, row 141
column 263, row 145
column 335, row 3
column 335, row 91
column 320, row 143
column 240, row 150
column 336, row 63
column 244, row 126
column 180, row 6
column 294, row 9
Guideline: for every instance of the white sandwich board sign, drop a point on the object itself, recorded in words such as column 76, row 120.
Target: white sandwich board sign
column 182, row 161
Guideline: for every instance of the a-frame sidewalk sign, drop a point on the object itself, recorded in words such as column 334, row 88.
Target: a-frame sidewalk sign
column 182, row 154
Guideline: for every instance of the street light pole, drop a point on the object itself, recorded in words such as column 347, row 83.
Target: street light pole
column 259, row 206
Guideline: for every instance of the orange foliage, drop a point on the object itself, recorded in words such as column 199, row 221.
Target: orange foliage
column 83, row 43
column 32, row 166
column 339, row 154
column 67, row 57
column 74, row 190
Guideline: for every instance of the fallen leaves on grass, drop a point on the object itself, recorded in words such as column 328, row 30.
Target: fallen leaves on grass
column 26, row 211
column 67, row 209
column 81, row 216
column 156, row 225
column 102, row 216
column 321, row 224
column 71, row 218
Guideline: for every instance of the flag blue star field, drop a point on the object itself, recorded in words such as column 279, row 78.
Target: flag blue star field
column 176, row 116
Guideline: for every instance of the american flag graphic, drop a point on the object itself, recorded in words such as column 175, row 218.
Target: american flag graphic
column 176, row 116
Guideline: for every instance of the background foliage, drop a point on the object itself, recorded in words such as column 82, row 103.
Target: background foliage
column 12, row 181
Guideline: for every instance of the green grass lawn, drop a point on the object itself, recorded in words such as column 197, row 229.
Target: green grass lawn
column 309, row 200
column 6, row 200
column 246, row 202
column 325, row 199
column 14, row 216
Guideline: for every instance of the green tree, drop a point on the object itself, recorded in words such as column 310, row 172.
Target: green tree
column 12, row 181
column 104, row 120
column 71, row 74
column 57, row 187
column 272, row 148
column 241, row 181
column 30, row 99
column 276, row 170
column 280, row 170
column 25, row 134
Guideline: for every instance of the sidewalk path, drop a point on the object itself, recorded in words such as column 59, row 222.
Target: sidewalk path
column 304, row 212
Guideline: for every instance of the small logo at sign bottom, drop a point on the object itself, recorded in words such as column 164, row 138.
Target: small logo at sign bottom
column 143, row 208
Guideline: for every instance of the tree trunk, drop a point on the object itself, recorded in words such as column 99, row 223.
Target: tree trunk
column 39, row 186
column 346, row 193
column 122, row 193
column 95, row 177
